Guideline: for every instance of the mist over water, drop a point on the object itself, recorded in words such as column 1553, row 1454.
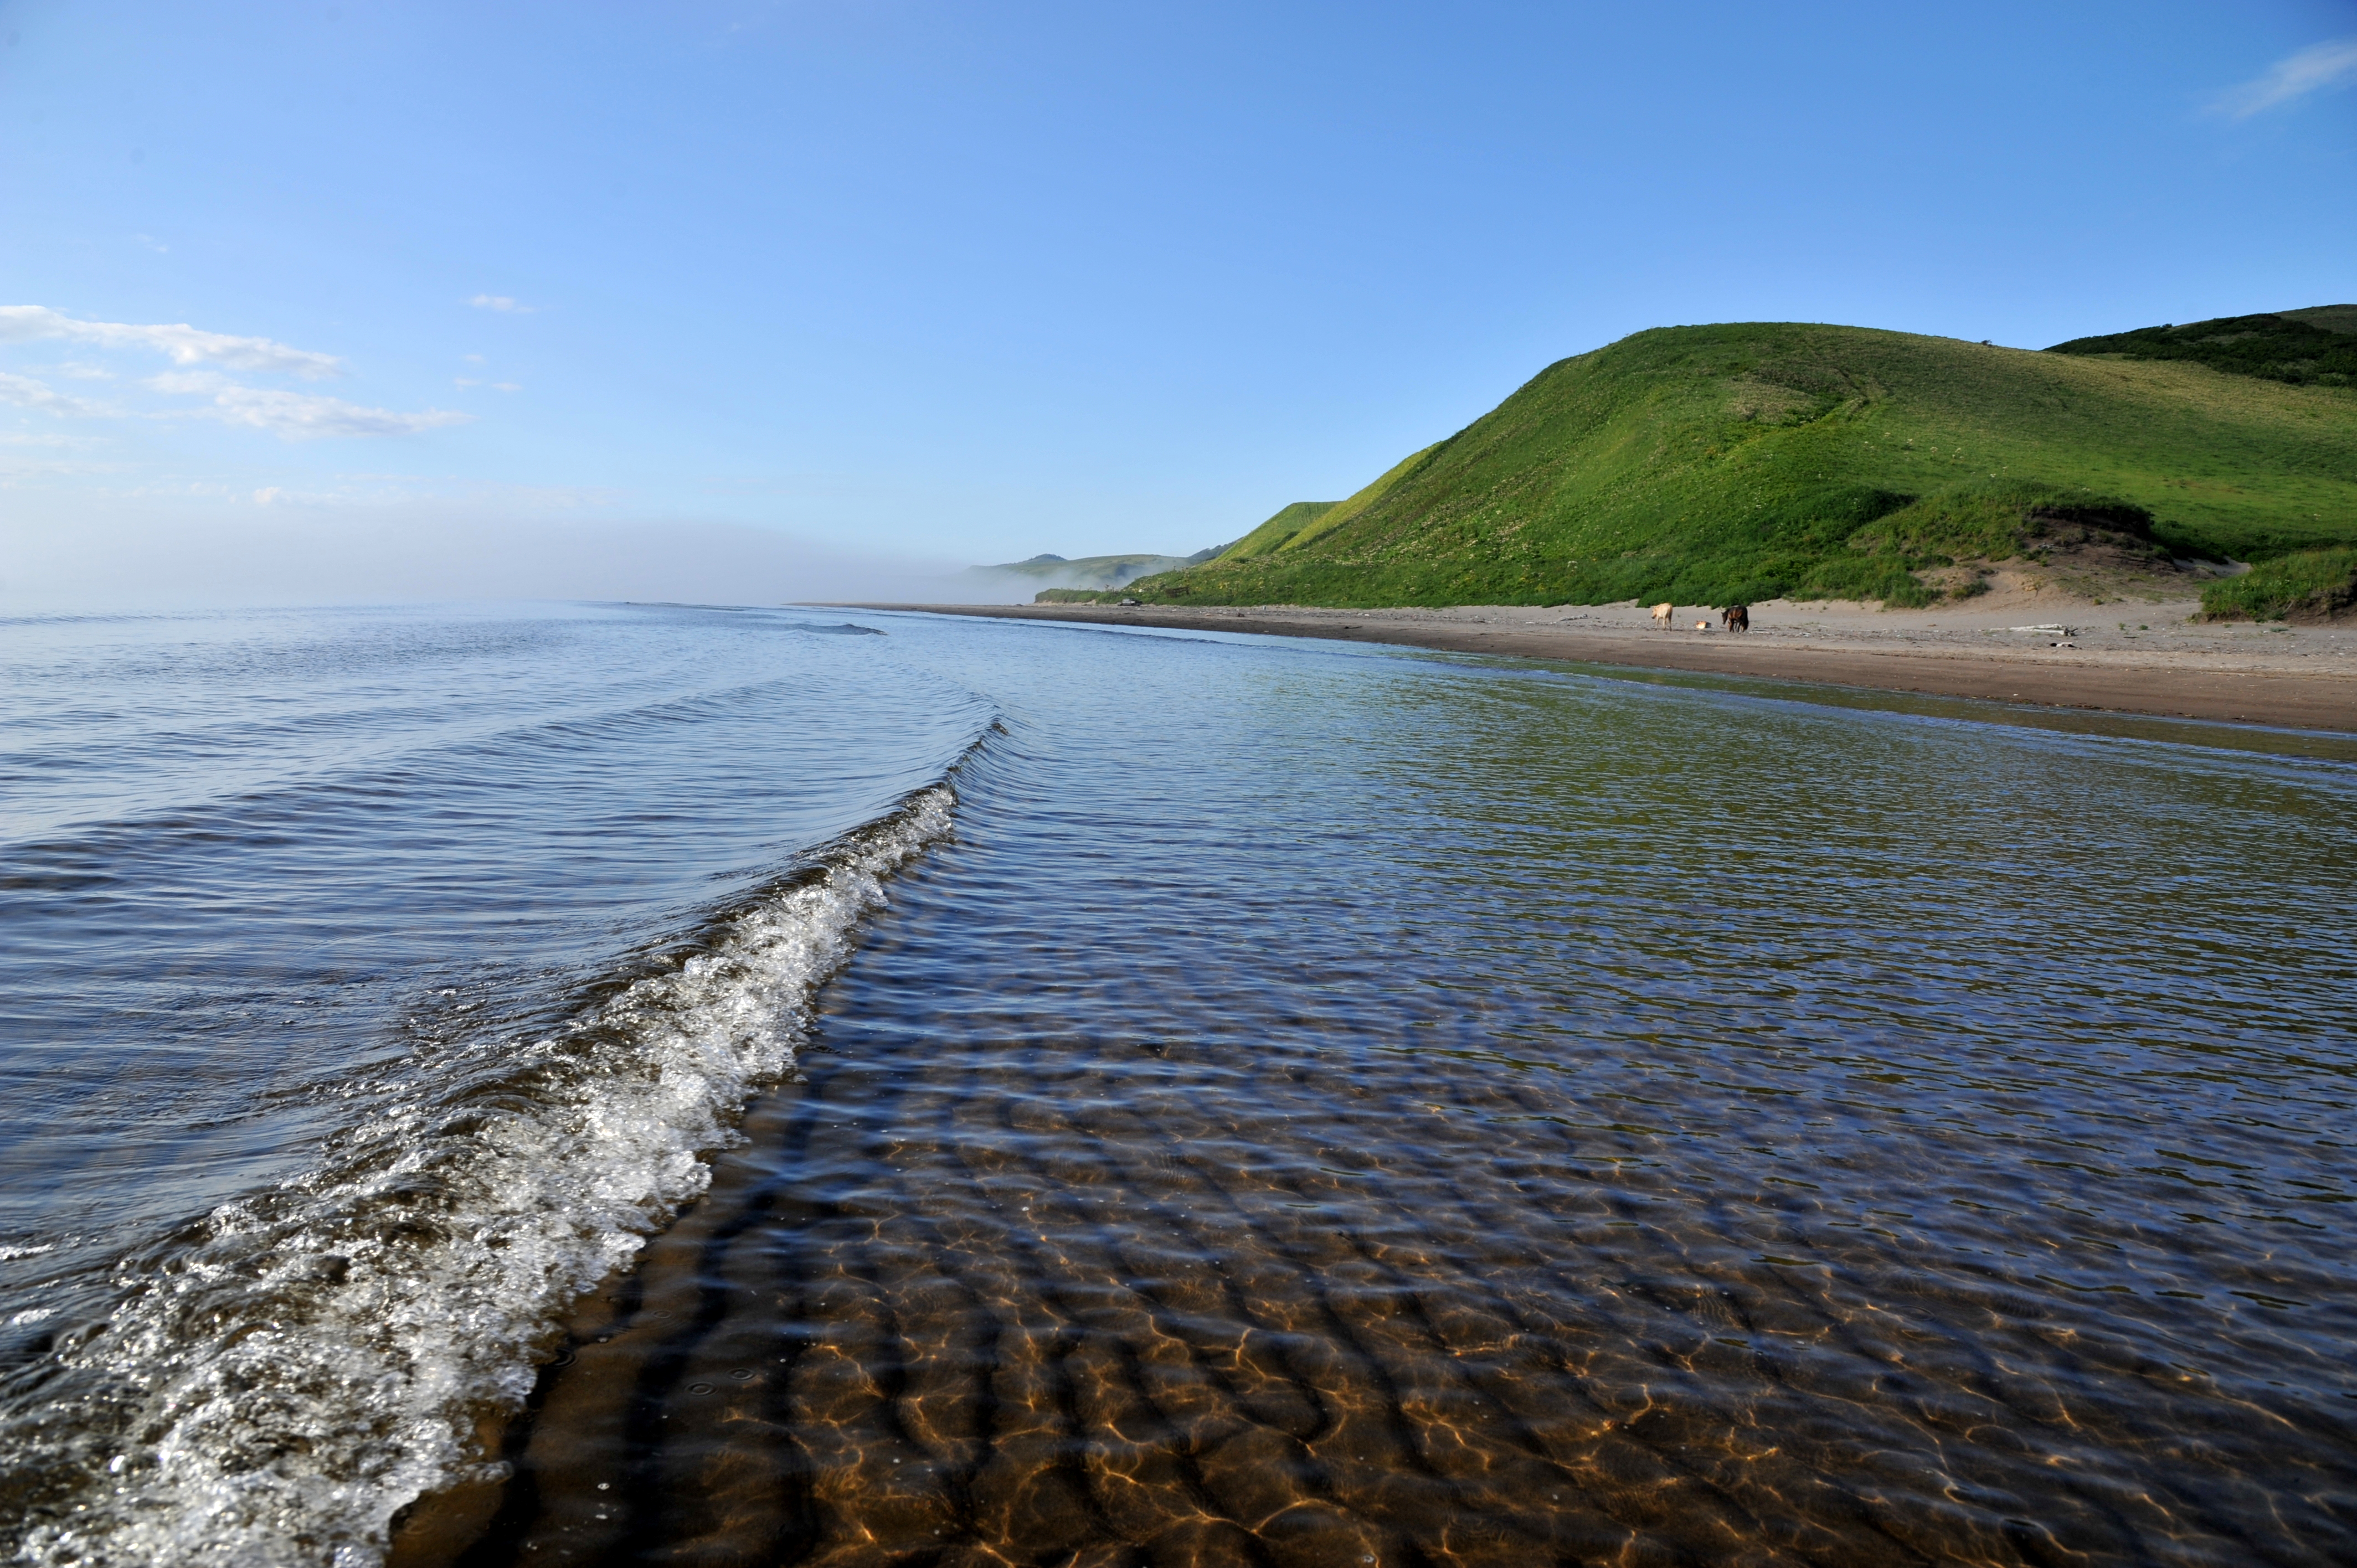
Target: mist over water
column 291, row 554
column 1151, row 1098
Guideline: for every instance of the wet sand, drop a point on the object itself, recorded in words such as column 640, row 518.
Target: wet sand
column 2048, row 649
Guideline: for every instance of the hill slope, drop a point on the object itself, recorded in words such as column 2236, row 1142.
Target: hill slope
column 1734, row 463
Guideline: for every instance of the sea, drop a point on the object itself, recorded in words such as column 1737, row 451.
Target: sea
column 652, row 1083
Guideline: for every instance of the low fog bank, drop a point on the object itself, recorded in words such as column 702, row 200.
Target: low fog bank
column 984, row 585
column 49, row 567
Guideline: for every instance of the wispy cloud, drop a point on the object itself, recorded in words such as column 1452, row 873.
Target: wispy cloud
column 14, row 471
column 499, row 302
column 297, row 416
column 26, row 392
column 2295, row 76
column 362, row 491
column 184, row 344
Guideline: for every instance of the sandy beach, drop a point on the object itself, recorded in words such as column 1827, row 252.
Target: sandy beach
column 2035, row 647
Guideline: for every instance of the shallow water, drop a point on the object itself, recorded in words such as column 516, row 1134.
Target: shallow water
column 1279, row 1103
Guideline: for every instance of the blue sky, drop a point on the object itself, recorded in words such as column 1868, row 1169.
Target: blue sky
column 963, row 283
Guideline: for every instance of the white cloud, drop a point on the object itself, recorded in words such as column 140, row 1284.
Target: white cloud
column 2295, row 76
column 499, row 302
column 296, row 417
column 506, row 386
column 184, row 344
column 81, row 372
column 464, row 382
column 472, row 359
column 352, row 493
column 26, row 392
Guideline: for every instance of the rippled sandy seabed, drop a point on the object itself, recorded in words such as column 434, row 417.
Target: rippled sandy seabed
column 1015, row 1094
column 1320, row 1108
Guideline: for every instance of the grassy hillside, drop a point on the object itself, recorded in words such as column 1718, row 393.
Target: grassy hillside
column 1735, row 463
column 2317, row 346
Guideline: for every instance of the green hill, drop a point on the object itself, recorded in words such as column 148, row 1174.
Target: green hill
column 1736, row 463
column 2317, row 346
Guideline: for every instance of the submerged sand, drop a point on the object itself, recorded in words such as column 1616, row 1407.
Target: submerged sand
column 2018, row 645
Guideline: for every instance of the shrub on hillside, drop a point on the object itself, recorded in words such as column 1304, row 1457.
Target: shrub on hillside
column 2310, row 583
column 2279, row 347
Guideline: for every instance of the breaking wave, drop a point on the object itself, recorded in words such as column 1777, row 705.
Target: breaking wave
column 287, row 1374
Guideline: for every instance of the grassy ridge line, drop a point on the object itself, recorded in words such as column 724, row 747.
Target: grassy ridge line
column 1722, row 464
column 2331, row 318
column 1304, row 521
column 1273, row 534
column 1358, row 501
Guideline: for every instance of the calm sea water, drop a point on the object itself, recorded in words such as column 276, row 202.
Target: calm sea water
column 682, row 1085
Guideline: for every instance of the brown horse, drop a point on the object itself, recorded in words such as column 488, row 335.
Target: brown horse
column 1738, row 617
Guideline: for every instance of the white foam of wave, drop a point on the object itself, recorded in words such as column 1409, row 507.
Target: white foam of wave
column 276, row 1393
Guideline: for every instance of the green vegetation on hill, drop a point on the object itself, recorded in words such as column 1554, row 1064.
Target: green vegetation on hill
column 2317, row 346
column 1729, row 464
column 2308, row 585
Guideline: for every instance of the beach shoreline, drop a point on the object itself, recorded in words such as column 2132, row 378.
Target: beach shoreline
column 2123, row 657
